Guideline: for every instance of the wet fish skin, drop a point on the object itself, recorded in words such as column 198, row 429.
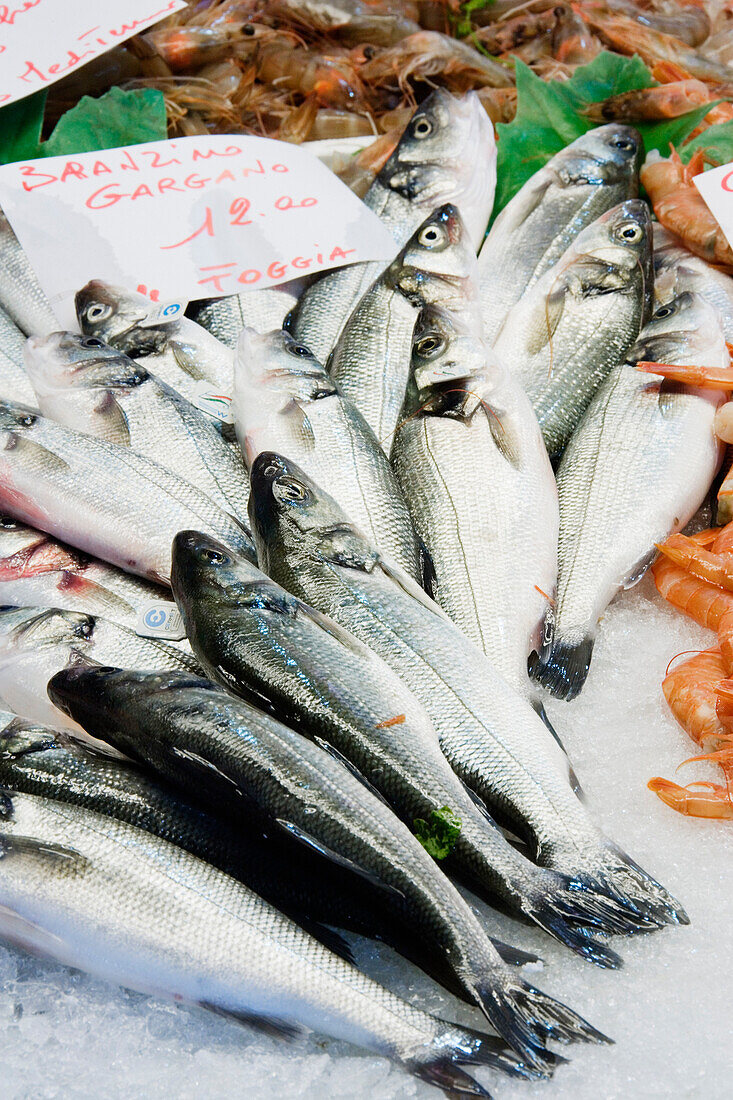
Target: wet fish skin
column 429, row 167
column 204, row 740
column 285, row 400
column 580, row 318
column 589, row 176
column 60, row 481
column 262, row 310
column 182, row 354
column 638, row 467
column 88, row 386
column 20, row 294
column 142, row 912
column 371, row 361
column 676, row 269
column 14, row 382
column 491, row 737
column 471, row 426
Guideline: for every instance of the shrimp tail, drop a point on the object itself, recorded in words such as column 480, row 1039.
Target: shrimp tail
column 565, row 670
column 713, row 802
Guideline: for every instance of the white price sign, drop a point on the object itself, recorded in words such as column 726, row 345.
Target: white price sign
column 716, row 187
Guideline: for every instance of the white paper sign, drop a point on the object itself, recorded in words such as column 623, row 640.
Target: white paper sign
column 716, row 187
column 41, row 41
column 195, row 217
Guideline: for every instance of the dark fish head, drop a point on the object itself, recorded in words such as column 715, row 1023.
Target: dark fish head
column 114, row 315
column 206, row 572
column 26, row 631
column 607, row 155
column 66, row 359
column 19, row 738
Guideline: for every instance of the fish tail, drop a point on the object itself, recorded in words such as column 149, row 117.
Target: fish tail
column 622, row 879
column 565, row 671
column 569, row 925
column 442, row 1072
column 467, row 1046
column 514, row 956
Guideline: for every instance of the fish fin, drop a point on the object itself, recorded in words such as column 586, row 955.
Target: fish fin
column 334, row 752
column 506, row 445
column 6, row 806
column 549, row 310
column 331, row 939
column 206, row 767
column 443, row 1072
column 117, row 427
column 340, row 633
column 268, row 1025
column 559, row 922
column 566, row 669
column 50, row 460
column 336, row 857
column 15, row 845
column 401, row 577
column 298, row 416
column 539, row 708
column 477, row 1048
column 186, row 361
column 638, row 570
column 478, row 803
column 28, row 935
column 429, row 572
column 514, row 956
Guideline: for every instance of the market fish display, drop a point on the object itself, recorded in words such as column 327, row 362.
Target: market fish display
column 637, row 469
column 580, row 318
column 90, row 387
column 371, row 361
column 472, row 426
column 148, row 915
column 262, row 310
column 284, row 400
column 428, row 168
column 21, row 296
column 61, row 481
column 494, row 740
column 14, row 382
column 589, row 176
column 209, row 743
column 181, row 353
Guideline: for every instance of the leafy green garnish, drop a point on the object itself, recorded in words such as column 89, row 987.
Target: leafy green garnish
column 114, row 119
column 438, row 835
column 461, row 20
column 717, row 141
column 549, row 116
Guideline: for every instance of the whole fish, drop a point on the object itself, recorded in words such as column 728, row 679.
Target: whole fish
column 470, row 460
column 37, row 571
column 447, row 153
column 37, row 759
column 492, row 738
column 590, row 175
column 637, row 469
column 262, row 310
column 20, row 294
column 371, row 361
column 580, row 318
column 36, row 642
column 14, row 382
column 101, row 497
column 247, row 763
column 273, row 650
column 90, row 387
column 181, row 353
column 100, row 895
column 284, row 400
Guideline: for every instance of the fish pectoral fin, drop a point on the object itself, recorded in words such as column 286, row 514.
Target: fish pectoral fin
column 299, row 420
column 638, row 570
column 39, row 454
column 268, row 1025
column 117, row 428
column 336, row 857
column 397, row 574
column 209, row 769
column 502, row 436
column 546, row 318
column 333, row 628
column 478, row 802
column 13, row 845
column 28, row 935
column 331, row 939
column 334, row 752
column 186, row 361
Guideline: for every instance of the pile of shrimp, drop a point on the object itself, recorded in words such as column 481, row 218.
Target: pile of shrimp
column 303, row 70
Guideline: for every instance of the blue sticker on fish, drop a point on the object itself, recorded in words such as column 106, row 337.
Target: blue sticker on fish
column 163, row 313
column 159, row 619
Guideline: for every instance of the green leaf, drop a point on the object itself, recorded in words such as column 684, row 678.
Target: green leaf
column 717, row 141
column 438, row 835
column 660, row 135
column 116, row 118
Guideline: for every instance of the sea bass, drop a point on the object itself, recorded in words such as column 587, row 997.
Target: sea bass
column 249, row 765
column 580, row 318
column 90, row 387
column 14, row 382
column 101, row 497
column 493, row 739
column 20, row 294
column 447, row 153
column 590, row 175
column 637, row 469
column 284, row 400
column 262, row 310
column 98, row 894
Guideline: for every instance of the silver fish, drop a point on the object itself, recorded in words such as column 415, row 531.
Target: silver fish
column 284, row 400
column 182, row 353
column 446, row 154
column 636, row 470
column 595, row 172
column 492, row 738
column 262, row 310
column 37, row 642
column 90, row 387
column 371, row 361
column 98, row 894
column 470, row 460
column 676, row 269
column 100, row 497
column 14, row 382
column 578, row 321
column 20, row 294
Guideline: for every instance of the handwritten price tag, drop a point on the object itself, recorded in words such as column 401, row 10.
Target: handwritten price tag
column 197, row 217
column 716, row 187
column 41, row 41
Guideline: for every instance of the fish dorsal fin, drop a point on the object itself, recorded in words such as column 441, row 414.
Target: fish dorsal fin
column 334, row 752
column 268, row 1025
column 336, row 857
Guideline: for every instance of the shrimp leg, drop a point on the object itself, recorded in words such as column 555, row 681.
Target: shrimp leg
column 709, row 378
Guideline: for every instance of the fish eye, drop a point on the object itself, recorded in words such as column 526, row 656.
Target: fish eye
column 664, row 311
column 431, row 235
column 8, row 523
column 300, row 350
column 625, row 144
column 369, row 52
column 630, row 232
column 422, row 127
column 98, row 312
column 212, row 557
column 429, row 346
column 289, row 491
column 27, row 421
column 248, row 30
column 91, row 342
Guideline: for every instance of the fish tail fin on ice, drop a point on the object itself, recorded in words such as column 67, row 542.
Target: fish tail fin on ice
column 467, row 1046
column 565, row 671
column 569, row 925
column 514, row 956
column 539, row 708
column 442, row 1072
